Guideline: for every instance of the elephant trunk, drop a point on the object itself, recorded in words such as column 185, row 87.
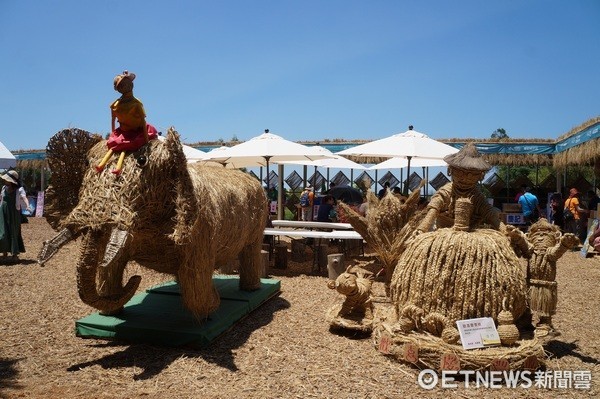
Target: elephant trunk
column 87, row 271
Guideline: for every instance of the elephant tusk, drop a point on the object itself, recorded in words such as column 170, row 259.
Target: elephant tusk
column 115, row 245
column 52, row 245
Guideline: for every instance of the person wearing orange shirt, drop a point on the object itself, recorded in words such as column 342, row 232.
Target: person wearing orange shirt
column 574, row 225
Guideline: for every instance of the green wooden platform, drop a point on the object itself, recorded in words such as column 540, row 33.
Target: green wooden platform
column 158, row 317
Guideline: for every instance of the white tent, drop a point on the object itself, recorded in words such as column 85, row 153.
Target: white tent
column 7, row 159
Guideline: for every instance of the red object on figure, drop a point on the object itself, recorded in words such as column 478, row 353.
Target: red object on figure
column 120, row 140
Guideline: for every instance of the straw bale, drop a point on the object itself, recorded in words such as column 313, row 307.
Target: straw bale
column 460, row 275
column 519, row 159
column 431, row 348
column 585, row 153
column 577, row 129
column 36, row 164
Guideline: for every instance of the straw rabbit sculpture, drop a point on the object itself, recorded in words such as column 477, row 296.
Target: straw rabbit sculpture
column 161, row 212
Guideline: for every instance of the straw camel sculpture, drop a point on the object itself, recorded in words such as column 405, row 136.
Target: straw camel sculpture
column 161, row 212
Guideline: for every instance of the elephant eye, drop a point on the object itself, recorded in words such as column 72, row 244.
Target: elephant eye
column 141, row 161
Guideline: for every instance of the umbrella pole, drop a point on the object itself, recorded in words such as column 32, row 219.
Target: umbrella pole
column 424, row 177
column 268, row 177
column 407, row 177
column 280, row 196
column 327, row 178
column 305, row 174
column 402, row 178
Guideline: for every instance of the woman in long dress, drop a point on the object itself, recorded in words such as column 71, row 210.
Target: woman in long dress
column 12, row 199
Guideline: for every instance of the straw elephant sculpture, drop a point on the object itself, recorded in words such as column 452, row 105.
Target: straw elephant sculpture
column 161, row 212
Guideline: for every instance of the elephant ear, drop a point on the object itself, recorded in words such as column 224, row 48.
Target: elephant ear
column 66, row 154
column 186, row 203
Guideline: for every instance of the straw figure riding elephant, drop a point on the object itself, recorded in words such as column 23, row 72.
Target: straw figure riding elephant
column 161, row 212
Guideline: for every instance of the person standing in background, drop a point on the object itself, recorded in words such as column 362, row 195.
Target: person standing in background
column 12, row 200
column 556, row 211
column 384, row 190
column 520, row 193
column 326, row 211
column 307, row 199
column 529, row 205
column 573, row 205
column 593, row 201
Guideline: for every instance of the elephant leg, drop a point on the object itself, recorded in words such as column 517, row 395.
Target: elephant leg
column 250, row 266
column 198, row 292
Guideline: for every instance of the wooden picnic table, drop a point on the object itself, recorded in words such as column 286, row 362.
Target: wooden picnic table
column 299, row 224
column 316, row 235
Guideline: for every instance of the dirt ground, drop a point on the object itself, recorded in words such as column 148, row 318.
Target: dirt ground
column 283, row 350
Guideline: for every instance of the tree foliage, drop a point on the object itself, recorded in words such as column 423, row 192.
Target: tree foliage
column 499, row 134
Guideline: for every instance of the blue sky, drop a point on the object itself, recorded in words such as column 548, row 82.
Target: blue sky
column 306, row 70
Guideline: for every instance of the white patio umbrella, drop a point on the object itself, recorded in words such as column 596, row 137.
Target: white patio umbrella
column 235, row 163
column 265, row 149
column 7, row 159
column 191, row 154
column 400, row 162
column 336, row 161
column 410, row 145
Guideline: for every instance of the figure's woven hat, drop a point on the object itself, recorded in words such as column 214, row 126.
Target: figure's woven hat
column 468, row 158
column 124, row 75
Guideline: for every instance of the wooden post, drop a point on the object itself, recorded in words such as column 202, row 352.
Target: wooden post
column 321, row 255
column 281, row 256
column 298, row 251
column 264, row 257
column 269, row 249
column 335, row 265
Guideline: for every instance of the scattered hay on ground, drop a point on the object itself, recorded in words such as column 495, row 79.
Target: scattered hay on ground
column 283, row 349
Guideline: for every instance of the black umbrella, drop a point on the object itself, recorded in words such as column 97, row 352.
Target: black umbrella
column 346, row 194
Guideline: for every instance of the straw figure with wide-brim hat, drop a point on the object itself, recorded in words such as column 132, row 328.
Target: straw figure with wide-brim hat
column 464, row 269
column 466, row 169
column 12, row 199
column 133, row 131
